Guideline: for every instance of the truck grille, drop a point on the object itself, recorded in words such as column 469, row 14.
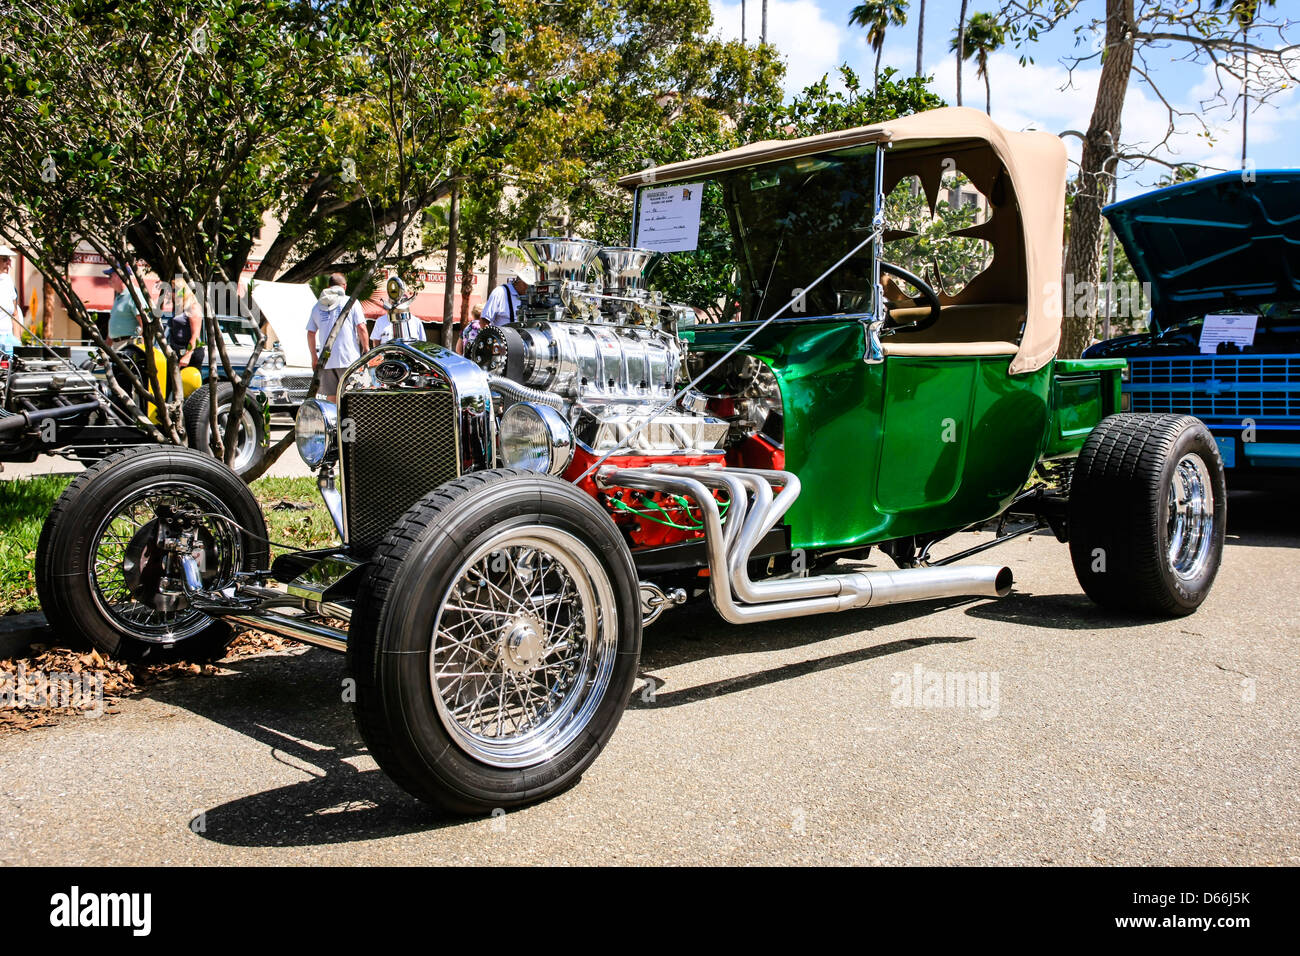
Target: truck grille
column 1217, row 386
column 401, row 446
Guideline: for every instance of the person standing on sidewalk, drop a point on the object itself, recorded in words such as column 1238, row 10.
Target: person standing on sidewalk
column 353, row 338
column 502, row 305
column 124, row 317
column 9, row 307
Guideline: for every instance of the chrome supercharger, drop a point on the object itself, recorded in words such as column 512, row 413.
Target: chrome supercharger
column 594, row 343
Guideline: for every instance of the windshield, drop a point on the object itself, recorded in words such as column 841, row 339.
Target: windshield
column 763, row 234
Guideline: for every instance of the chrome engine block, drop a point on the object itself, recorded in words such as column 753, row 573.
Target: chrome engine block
column 605, row 350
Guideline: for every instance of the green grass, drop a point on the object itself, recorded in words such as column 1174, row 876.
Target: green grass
column 294, row 513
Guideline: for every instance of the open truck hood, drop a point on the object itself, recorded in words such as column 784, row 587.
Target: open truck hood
column 286, row 307
column 1214, row 243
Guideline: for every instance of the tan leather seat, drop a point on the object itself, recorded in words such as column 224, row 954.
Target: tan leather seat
column 992, row 329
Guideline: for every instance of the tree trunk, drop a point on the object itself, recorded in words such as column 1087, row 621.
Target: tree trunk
column 1097, row 165
column 762, row 37
column 920, row 37
column 494, row 254
column 449, row 288
column 466, row 290
column 49, row 300
column 879, row 50
column 961, row 45
column 988, row 92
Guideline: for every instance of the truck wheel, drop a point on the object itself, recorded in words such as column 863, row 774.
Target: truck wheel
column 103, row 573
column 250, row 441
column 495, row 641
column 1148, row 507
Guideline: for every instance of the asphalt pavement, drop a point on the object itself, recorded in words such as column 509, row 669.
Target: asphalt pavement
column 1091, row 739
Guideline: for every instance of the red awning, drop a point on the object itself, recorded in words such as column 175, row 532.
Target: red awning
column 94, row 291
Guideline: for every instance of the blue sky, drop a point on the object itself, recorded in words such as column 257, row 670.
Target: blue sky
column 814, row 38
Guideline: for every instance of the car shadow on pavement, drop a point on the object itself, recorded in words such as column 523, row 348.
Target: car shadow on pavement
column 292, row 705
column 697, row 631
column 1262, row 519
column 1071, row 612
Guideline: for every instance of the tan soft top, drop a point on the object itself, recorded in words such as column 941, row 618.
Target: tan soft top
column 1026, row 269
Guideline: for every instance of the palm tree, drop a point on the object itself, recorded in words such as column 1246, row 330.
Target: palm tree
column 961, row 45
column 920, row 37
column 1243, row 11
column 984, row 34
column 877, row 16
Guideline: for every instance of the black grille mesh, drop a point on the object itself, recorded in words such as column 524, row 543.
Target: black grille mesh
column 397, row 447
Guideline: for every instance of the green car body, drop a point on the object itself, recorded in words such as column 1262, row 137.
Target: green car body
column 912, row 445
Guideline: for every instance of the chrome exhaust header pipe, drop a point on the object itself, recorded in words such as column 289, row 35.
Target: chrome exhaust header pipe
column 740, row 600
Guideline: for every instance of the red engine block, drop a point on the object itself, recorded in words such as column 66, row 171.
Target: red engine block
column 646, row 518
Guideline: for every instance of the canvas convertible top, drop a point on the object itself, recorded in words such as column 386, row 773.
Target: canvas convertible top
column 1022, row 174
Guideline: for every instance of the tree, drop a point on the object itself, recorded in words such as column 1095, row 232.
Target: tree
column 150, row 132
column 960, row 47
column 920, row 36
column 876, row 17
column 983, row 35
column 1123, row 36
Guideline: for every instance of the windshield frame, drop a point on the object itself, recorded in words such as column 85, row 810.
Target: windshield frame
column 741, row 247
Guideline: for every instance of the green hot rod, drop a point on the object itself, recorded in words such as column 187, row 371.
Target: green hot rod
column 849, row 343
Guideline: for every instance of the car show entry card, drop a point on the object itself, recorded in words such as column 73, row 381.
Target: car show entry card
column 670, row 218
column 1239, row 329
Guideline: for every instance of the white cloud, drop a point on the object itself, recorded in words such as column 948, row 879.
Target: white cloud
column 801, row 32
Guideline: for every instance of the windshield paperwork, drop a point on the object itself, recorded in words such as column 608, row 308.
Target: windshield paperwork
column 766, row 233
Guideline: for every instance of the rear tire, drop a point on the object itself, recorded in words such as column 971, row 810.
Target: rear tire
column 495, row 641
column 93, row 563
column 251, row 439
column 1148, row 508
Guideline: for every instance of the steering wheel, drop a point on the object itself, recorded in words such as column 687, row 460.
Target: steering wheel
column 928, row 296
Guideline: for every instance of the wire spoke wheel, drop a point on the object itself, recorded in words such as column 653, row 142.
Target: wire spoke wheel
column 523, row 646
column 1191, row 517
column 130, row 561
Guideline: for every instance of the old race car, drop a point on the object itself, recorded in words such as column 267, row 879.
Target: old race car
column 510, row 520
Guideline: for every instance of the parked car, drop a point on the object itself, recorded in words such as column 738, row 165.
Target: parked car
column 1222, row 256
column 284, row 376
column 511, row 520
column 51, row 403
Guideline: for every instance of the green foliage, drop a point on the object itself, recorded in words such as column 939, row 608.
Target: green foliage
column 932, row 249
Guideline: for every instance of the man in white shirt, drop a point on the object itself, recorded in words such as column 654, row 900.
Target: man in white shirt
column 353, row 339
column 411, row 328
column 502, row 306
column 9, row 308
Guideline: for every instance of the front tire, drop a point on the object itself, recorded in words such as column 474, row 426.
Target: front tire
column 99, row 568
column 1148, row 508
column 495, row 641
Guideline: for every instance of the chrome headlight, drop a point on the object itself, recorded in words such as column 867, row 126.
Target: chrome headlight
column 536, row 437
column 313, row 430
column 277, row 360
column 257, row 383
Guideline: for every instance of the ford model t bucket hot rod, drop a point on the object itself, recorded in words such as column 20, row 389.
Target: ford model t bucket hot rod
column 510, row 520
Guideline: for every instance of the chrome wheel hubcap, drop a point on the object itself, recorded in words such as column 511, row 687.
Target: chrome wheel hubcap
column 129, row 569
column 1191, row 518
column 524, row 646
column 245, row 438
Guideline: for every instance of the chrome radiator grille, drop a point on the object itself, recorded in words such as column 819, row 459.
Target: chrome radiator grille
column 396, row 448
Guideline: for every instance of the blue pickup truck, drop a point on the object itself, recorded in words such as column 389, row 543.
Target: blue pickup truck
column 1222, row 256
